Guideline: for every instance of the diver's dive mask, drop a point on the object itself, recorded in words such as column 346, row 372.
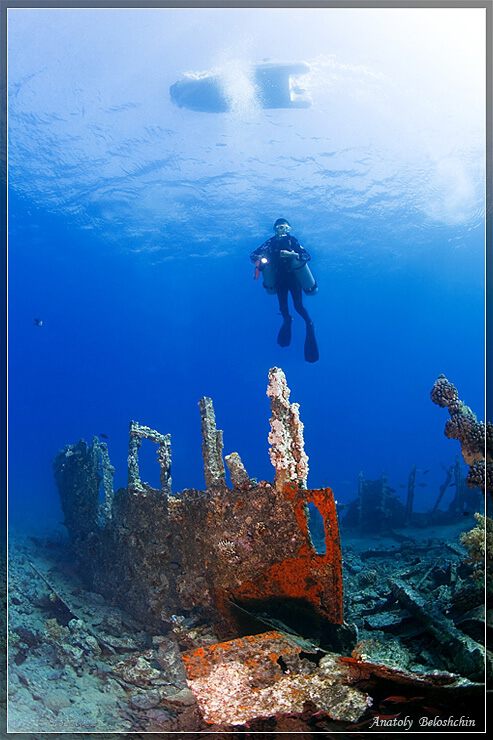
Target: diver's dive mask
column 282, row 229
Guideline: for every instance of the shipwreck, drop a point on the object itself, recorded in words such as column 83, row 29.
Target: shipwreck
column 218, row 551
column 240, row 588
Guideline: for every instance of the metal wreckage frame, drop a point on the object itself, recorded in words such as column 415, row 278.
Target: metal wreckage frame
column 231, row 555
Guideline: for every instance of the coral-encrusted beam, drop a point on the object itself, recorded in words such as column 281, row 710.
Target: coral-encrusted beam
column 287, row 446
column 212, row 445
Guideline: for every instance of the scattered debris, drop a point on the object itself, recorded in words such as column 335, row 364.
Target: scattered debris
column 468, row 655
column 102, row 623
column 265, row 675
column 376, row 509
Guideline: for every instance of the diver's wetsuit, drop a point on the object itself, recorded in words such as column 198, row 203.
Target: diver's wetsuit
column 286, row 281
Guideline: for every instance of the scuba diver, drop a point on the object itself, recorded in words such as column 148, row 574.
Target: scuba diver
column 282, row 261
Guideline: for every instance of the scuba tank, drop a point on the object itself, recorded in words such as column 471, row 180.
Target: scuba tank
column 304, row 276
column 268, row 275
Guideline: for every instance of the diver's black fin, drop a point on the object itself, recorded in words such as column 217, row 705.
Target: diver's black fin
column 311, row 346
column 284, row 336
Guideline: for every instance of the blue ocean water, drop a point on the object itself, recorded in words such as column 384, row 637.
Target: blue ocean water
column 131, row 222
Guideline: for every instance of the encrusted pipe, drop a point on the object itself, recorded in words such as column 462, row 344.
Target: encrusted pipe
column 138, row 432
column 212, row 445
column 237, row 471
column 164, row 460
column 108, row 472
column 134, row 442
column 287, row 451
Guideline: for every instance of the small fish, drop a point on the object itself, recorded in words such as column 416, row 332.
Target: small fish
column 103, row 435
column 392, row 490
column 402, row 699
column 38, row 322
column 395, row 699
column 389, row 716
column 422, row 485
column 426, row 471
column 432, row 710
column 402, row 485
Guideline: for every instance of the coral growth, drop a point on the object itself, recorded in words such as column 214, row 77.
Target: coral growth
column 476, row 444
column 471, row 433
column 479, row 544
column 287, row 451
column 444, row 393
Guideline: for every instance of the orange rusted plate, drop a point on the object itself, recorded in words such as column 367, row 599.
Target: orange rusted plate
column 315, row 578
column 238, row 680
column 250, row 650
column 266, row 675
